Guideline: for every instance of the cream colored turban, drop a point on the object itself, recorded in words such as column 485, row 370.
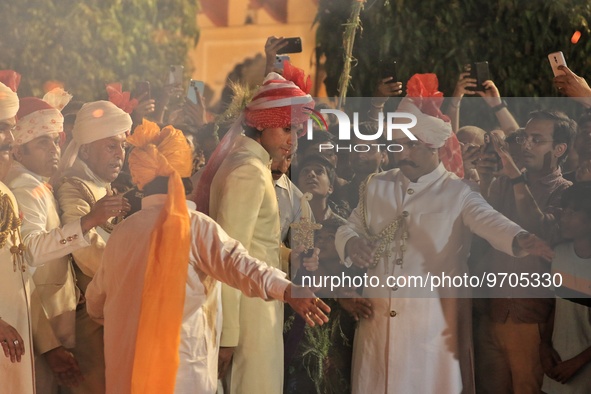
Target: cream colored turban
column 8, row 102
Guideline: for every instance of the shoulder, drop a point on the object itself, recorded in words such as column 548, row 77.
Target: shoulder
column 21, row 180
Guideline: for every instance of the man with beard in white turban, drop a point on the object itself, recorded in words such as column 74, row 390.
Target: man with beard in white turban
column 91, row 162
column 417, row 221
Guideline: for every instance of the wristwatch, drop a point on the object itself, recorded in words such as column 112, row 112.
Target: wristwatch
column 520, row 179
column 499, row 107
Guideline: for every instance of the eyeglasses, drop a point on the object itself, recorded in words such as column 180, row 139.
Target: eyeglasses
column 533, row 141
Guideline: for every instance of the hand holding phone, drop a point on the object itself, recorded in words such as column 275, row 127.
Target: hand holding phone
column 557, row 59
column 480, row 72
column 195, row 88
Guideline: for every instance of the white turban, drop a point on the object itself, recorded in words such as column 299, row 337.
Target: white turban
column 95, row 121
column 8, row 102
column 429, row 129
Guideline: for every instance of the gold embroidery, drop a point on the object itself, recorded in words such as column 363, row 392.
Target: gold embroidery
column 10, row 227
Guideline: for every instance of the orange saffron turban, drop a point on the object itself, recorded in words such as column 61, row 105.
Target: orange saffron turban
column 162, row 153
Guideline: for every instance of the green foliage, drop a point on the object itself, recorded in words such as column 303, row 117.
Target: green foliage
column 440, row 36
column 85, row 44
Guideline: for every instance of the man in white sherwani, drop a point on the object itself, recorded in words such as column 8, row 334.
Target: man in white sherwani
column 418, row 340
column 48, row 244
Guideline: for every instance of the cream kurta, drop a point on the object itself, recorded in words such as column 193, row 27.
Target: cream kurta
column 421, row 345
column 115, row 295
column 244, row 203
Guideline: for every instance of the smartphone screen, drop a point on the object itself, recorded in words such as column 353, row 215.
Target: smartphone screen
column 142, row 90
column 389, row 69
column 480, row 72
column 294, row 45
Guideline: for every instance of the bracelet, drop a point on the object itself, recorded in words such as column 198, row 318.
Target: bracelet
column 381, row 106
column 499, row 107
column 370, row 117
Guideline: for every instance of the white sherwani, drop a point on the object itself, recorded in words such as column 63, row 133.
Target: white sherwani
column 21, row 308
column 114, row 295
column 421, row 345
column 48, row 248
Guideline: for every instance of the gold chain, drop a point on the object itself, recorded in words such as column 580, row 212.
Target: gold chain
column 387, row 235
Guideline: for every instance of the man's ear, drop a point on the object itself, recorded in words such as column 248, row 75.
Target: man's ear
column 560, row 150
column 17, row 152
column 385, row 159
column 83, row 152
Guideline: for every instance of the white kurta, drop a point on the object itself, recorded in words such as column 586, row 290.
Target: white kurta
column 114, row 295
column 421, row 345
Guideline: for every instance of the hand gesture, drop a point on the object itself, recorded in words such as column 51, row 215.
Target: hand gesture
column 510, row 169
column 465, row 85
column 388, row 88
column 533, row 245
column 549, row 358
column 64, row 366
column 565, row 370
column 104, row 209
column 571, row 85
column 195, row 113
column 312, row 262
column 307, row 305
column 356, row 306
column 491, row 94
column 145, row 107
column 360, row 251
column 11, row 341
column 272, row 45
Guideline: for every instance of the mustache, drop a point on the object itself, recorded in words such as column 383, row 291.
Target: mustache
column 405, row 162
column 276, row 172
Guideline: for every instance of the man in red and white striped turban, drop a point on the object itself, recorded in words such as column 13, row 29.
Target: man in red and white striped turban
column 243, row 201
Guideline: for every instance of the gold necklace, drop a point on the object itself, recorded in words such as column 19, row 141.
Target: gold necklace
column 10, row 227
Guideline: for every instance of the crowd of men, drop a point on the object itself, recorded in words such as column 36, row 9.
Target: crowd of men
column 136, row 258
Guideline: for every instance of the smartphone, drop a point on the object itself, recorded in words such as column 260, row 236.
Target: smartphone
column 479, row 71
column 294, row 45
column 175, row 76
column 388, row 68
column 142, row 90
column 557, row 59
column 195, row 88
column 279, row 60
